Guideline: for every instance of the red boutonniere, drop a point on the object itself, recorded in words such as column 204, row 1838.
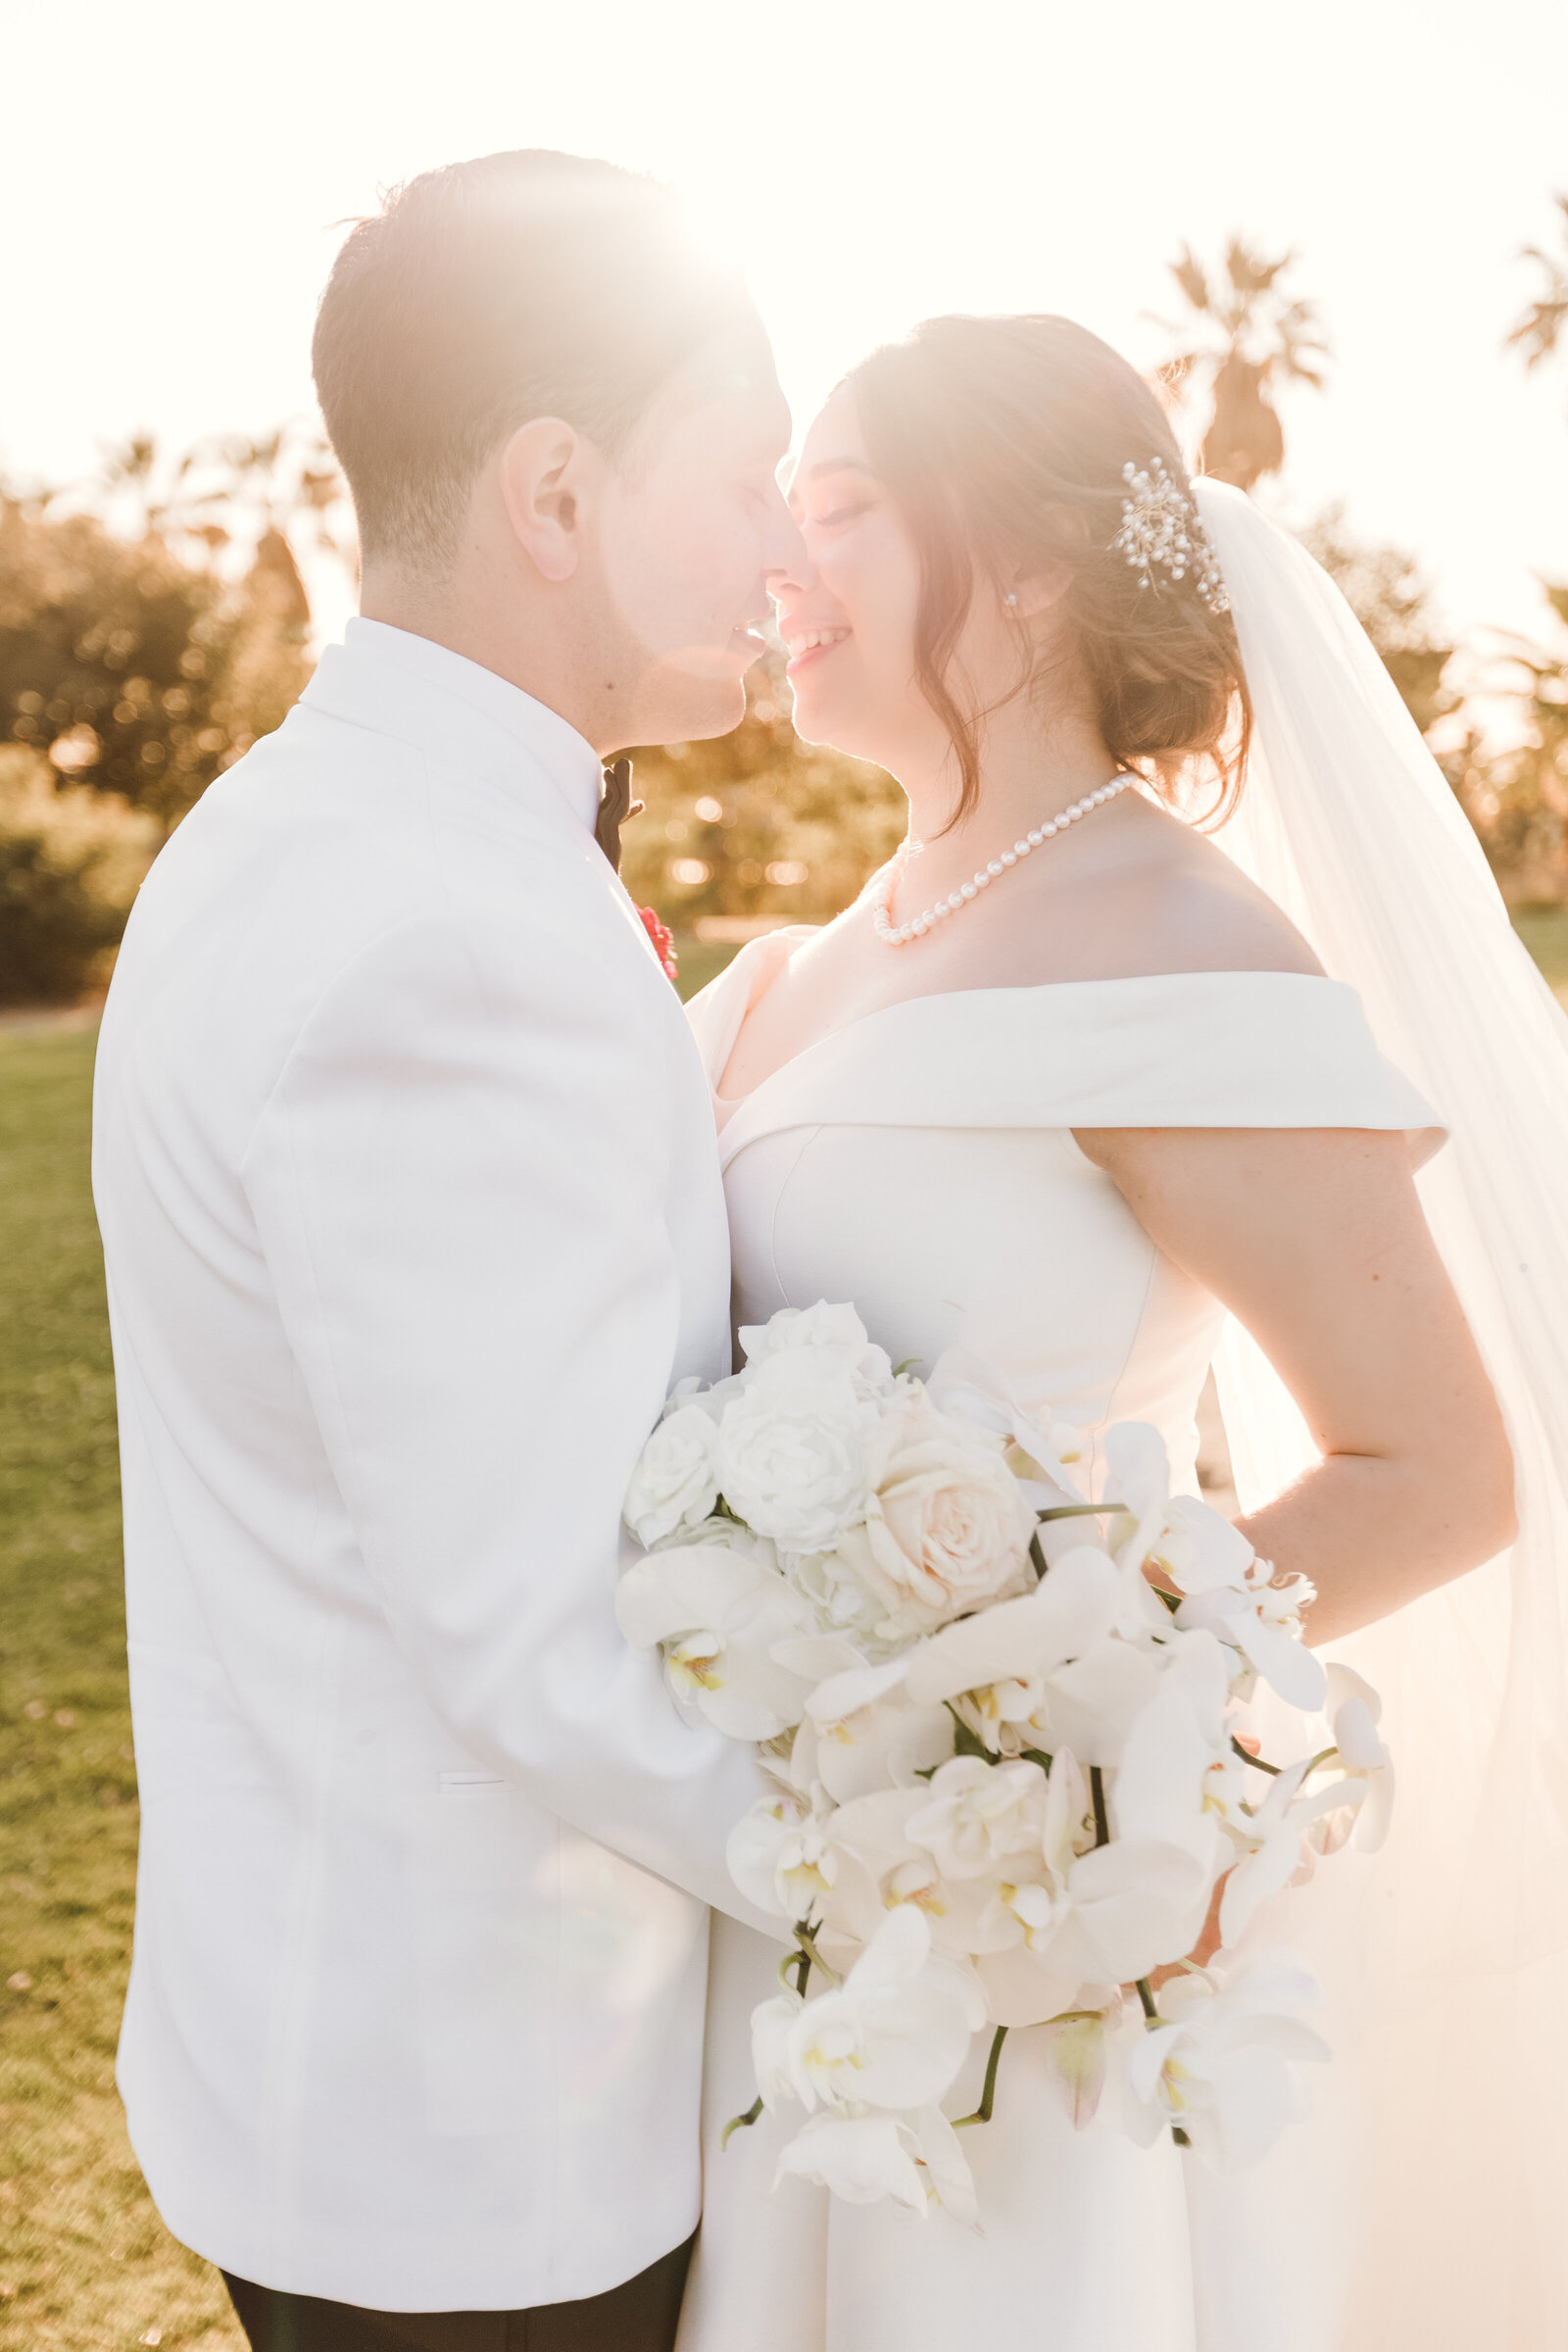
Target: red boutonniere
column 663, row 940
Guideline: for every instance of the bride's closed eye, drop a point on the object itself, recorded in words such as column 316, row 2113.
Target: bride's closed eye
column 839, row 514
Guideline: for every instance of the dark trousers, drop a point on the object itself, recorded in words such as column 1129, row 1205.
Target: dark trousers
column 639, row 2317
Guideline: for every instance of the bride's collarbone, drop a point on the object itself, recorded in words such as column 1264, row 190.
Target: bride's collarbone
column 1176, row 913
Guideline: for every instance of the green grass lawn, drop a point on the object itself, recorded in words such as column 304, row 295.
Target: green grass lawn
column 1544, row 932
column 86, row 2265
column 84, row 2261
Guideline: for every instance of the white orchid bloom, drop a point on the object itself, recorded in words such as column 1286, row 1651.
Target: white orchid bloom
column 1179, row 1778
column 860, row 2158
column 878, row 1866
column 979, row 1816
column 1355, row 1710
column 771, row 2024
column 1077, row 2052
column 1231, row 1593
column 781, row 1857
column 1056, row 1648
column 1223, row 2066
column 914, row 2159
column 718, row 1615
column 1206, row 1558
column 1277, row 1831
column 860, row 1733
column 894, row 2033
column 1138, row 1491
column 1084, row 1913
column 947, row 2175
column 965, row 1385
column 835, row 1335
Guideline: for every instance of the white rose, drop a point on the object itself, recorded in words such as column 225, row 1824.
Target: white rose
column 837, row 1597
column 947, row 1526
column 834, row 1332
column 791, row 1457
column 674, row 1484
column 728, row 1535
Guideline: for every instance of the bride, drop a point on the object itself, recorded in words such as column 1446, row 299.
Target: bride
column 1071, row 1087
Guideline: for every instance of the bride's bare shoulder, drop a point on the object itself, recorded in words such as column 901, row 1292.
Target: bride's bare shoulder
column 1167, row 899
column 1203, row 914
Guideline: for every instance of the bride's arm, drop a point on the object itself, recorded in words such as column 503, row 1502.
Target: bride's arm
column 1316, row 1242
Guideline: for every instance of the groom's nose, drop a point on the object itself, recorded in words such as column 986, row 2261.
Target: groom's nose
column 791, row 572
column 784, row 554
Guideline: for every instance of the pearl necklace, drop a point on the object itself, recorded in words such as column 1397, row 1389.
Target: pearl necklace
column 887, row 882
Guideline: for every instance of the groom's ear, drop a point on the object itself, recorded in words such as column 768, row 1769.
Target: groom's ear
column 545, row 471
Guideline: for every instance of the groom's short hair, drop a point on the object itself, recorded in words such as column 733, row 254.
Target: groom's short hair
column 487, row 293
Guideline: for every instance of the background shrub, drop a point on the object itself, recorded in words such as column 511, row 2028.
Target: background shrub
column 70, row 863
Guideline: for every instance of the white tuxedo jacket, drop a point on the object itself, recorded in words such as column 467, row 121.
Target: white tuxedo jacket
column 405, row 1172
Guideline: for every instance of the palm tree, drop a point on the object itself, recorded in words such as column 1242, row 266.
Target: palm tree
column 1243, row 336
column 288, row 485
column 1543, row 325
column 132, row 474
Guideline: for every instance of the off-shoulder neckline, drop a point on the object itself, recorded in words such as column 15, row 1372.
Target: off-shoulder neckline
column 730, row 1105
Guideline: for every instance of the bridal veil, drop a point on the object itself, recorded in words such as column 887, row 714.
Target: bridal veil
column 1347, row 823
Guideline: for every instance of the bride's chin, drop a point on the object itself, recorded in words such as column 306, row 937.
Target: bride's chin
column 819, row 723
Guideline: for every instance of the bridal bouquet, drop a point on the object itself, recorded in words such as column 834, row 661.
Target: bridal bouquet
column 1000, row 1718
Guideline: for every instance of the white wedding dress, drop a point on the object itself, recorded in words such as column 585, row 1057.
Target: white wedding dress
column 920, row 1163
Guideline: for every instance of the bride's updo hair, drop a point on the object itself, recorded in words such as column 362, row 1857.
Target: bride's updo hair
column 1002, row 442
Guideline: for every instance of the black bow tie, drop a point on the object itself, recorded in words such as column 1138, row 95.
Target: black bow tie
column 615, row 805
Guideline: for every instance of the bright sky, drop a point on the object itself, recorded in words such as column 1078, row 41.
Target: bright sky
column 170, row 181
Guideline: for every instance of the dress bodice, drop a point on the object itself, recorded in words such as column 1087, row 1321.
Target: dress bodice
column 921, row 1164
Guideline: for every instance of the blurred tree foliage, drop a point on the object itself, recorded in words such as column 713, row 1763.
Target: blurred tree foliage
column 1517, row 799
column 1386, row 590
column 1542, row 328
column 758, row 823
column 134, row 670
column 1242, row 336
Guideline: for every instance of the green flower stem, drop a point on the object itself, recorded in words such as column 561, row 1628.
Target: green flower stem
column 738, row 2122
column 1153, row 2017
column 1247, row 1757
column 988, row 2096
column 1096, row 1791
column 814, row 1959
column 966, row 1743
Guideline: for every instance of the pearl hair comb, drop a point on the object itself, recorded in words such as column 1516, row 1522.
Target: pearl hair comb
column 1160, row 531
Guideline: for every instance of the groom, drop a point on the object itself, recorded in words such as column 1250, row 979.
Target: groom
column 405, row 1167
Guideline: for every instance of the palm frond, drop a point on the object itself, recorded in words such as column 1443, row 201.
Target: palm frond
column 1249, row 272
column 1192, row 278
